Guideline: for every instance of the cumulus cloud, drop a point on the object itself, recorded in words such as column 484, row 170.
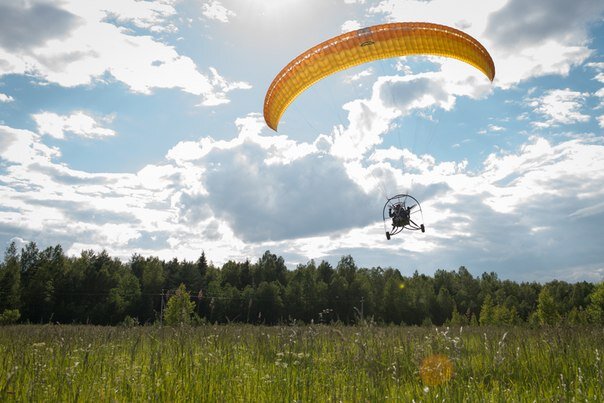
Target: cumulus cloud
column 269, row 188
column 358, row 76
column 391, row 98
column 50, row 202
column 492, row 129
column 23, row 147
column 559, row 107
column 78, row 123
column 309, row 196
column 532, row 205
column 529, row 209
column 149, row 15
column 525, row 40
column 599, row 69
column 239, row 197
column 214, row 10
column 249, row 189
column 529, row 213
column 221, row 88
column 350, row 25
column 5, row 98
column 523, row 25
column 88, row 44
column 27, row 25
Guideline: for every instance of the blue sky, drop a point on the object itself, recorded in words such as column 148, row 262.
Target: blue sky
column 136, row 126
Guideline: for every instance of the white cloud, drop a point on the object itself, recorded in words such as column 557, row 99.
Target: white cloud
column 23, row 147
column 237, row 198
column 356, row 77
column 30, row 24
column 350, row 25
column 214, row 10
column 403, row 67
column 492, row 129
column 560, row 107
column 6, row 98
column 508, row 214
column 495, row 128
column 221, row 89
column 149, row 15
column 186, row 151
column 393, row 97
column 88, row 47
column 599, row 68
column 593, row 210
column 78, row 123
column 525, row 39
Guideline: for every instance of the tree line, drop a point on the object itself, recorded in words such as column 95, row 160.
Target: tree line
column 42, row 286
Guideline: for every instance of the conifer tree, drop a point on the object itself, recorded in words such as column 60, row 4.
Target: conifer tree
column 179, row 310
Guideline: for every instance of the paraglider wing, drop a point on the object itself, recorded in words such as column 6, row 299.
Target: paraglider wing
column 365, row 45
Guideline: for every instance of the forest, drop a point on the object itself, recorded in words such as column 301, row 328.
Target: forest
column 47, row 286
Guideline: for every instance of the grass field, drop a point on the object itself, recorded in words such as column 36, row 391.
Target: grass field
column 300, row 363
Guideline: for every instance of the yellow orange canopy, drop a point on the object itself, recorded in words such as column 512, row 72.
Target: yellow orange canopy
column 365, row 45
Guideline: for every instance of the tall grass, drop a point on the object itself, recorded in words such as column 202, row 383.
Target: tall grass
column 297, row 363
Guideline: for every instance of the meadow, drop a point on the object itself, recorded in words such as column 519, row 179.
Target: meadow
column 300, row 363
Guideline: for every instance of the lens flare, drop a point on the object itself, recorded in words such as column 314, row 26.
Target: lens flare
column 436, row 370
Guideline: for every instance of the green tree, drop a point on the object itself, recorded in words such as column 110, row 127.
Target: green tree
column 395, row 300
column 486, row 311
column 503, row 315
column 528, row 294
column 578, row 316
column 39, row 294
column 446, row 303
column 202, row 264
column 596, row 305
column 151, row 277
column 424, row 307
column 269, row 302
column 230, row 274
column 270, row 268
column 546, row 308
column 232, row 303
column 467, row 297
column 102, row 274
column 296, row 299
column 337, row 295
column 180, row 308
column 457, row 319
column 325, row 272
column 10, row 280
column 125, row 297
column 346, row 268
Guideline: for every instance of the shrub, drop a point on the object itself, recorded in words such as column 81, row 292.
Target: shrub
column 9, row 316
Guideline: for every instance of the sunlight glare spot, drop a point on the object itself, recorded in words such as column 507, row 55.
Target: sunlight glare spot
column 436, row 369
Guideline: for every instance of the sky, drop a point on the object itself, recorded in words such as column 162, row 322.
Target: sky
column 137, row 127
